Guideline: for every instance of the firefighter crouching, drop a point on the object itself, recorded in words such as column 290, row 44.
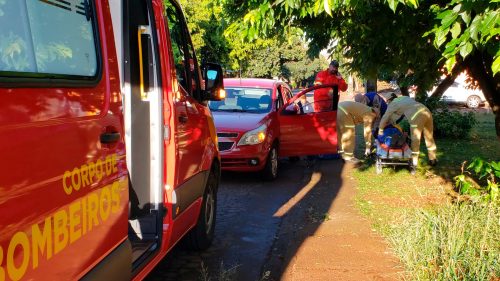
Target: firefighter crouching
column 350, row 114
column 420, row 119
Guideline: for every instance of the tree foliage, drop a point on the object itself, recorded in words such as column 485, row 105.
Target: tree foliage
column 410, row 40
column 275, row 57
column 283, row 55
column 206, row 24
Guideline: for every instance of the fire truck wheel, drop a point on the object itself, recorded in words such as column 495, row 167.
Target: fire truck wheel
column 201, row 236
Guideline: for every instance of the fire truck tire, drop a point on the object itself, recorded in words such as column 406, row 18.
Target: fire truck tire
column 202, row 235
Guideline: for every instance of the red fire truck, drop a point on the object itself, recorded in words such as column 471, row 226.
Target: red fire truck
column 108, row 152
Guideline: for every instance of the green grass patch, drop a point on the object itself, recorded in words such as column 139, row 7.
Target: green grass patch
column 435, row 238
column 451, row 242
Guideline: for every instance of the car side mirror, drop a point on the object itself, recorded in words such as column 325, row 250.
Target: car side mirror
column 214, row 82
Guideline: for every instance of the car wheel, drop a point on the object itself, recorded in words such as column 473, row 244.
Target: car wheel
column 270, row 171
column 473, row 102
column 202, row 235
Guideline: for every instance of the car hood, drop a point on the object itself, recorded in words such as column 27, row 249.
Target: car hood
column 238, row 121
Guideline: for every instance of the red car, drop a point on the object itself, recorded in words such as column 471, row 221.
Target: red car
column 260, row 120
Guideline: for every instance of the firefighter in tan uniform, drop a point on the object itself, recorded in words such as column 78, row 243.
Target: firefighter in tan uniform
column 350, row 114
column 420, row 119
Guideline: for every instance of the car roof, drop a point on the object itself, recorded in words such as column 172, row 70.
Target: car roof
column 250, row 82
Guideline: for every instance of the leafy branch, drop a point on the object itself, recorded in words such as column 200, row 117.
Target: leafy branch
column 483, row 170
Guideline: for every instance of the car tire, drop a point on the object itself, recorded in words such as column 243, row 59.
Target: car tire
column 270, row 171
column 473, row 101
column 201, row 236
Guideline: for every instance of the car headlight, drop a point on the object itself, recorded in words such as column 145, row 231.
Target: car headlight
column 255, row 136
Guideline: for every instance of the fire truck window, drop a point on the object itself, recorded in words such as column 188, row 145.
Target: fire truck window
column 47, row 37
column 194, row 71
column 177, row 37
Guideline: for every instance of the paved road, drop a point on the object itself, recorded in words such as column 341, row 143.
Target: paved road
column 245, row 231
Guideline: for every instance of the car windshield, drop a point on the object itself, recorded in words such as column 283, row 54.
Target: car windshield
column 252, row 100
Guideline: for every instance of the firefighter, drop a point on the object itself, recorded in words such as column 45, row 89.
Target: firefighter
column 350, row 114
column 323, row 98
column 420, row 119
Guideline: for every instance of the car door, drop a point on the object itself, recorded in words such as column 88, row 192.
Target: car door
column 306, row 132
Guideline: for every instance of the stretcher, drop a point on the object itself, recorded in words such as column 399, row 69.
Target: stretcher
column 389, row 156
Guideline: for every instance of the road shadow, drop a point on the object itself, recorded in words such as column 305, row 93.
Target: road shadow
column 250, row 215
column 303, row 214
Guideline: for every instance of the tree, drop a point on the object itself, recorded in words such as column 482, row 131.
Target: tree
column 206, row 24
column 468, row 34
column 412, row 42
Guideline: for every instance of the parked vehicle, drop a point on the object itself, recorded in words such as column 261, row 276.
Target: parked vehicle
column 254, row 129
column 458, row 93
column 108, row 150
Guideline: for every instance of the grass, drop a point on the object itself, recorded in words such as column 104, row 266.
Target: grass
column 223, row 274
column 450, row 242
column 435, row 237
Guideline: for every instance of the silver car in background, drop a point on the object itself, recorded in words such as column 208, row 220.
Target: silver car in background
column 459, row 93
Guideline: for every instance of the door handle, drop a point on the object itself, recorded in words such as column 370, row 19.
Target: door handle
column 183, row 118
column 110, row 137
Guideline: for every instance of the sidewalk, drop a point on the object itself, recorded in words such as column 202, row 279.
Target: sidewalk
column 323, row 237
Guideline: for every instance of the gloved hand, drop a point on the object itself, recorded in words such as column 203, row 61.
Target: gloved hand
column 368, row 152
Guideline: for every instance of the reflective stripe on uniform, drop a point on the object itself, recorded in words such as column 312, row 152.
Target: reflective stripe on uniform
column 398, row 99
column 350, row 126
column 415, row 153
column 414, row 126
column 432, row 148
column 343, row 110
column 348, row 153
column 416, row 113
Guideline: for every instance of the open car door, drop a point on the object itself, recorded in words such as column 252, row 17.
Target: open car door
column 308, row 122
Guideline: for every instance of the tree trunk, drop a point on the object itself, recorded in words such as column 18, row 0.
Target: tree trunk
column 447, row 81
column 480, row 70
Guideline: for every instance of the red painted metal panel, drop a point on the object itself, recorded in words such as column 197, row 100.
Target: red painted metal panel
column 63, row 193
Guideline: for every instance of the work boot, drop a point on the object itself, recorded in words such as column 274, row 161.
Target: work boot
column 352, row 160
column 433, row 162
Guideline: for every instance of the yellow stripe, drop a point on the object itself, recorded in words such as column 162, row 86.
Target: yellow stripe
column 414, row 126
column 416, row 113
column 350, row 126
column 343, row 110
column 398, row 99
column 415, row 153
column 140, row 30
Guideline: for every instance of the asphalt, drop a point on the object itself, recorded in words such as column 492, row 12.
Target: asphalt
column 302, row 226
column 245, row 231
